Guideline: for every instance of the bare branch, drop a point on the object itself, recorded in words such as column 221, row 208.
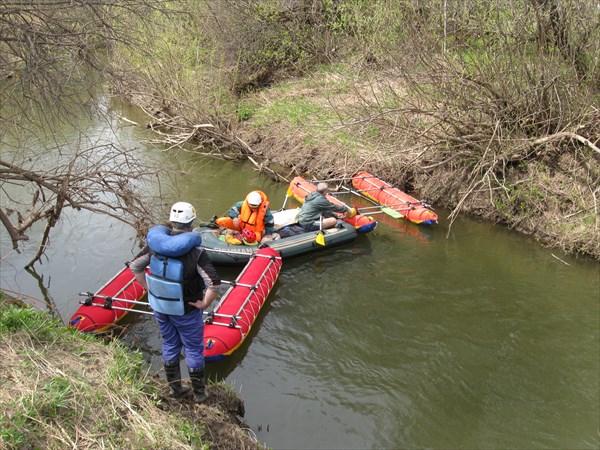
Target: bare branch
column 15, row 236
column 563, row 135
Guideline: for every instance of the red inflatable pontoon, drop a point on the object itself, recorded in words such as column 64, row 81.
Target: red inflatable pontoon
column 228, row 324
column 110, row 304
column 301, row 188
column 386, row 195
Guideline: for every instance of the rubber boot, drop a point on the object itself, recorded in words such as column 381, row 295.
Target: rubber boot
column 198, row 386
column 173, row 373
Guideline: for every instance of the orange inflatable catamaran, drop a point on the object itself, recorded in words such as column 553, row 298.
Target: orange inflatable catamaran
column 300, row 188
column 388, row 196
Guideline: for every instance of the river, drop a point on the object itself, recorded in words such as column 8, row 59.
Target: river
column 404, row 338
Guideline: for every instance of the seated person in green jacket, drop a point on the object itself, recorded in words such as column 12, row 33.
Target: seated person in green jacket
column 317, row 213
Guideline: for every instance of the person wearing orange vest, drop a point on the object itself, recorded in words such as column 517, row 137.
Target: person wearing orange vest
column 254, row 213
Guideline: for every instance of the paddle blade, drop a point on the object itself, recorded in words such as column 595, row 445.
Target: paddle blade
column 391, row 212
column 320, row 239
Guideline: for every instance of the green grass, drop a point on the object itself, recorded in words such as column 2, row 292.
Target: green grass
column 64, row 388
column 296, row 111
column 246, row 109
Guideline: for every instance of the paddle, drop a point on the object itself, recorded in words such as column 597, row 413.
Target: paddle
column 320, row 239
column 288, row 194
column 384, row 209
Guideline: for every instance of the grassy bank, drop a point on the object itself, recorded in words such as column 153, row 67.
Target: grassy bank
column 64, row 389
column 486, row 108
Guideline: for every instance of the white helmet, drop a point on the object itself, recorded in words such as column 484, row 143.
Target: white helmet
column 182, row 212
column 254, row 199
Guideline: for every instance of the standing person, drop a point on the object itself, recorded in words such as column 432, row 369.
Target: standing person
column 317, row 213
column 181, row 284
column 254, row 213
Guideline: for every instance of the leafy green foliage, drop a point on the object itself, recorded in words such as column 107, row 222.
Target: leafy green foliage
column 54, row 398
column 13, row 431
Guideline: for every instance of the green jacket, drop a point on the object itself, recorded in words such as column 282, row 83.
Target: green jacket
column 316, row 205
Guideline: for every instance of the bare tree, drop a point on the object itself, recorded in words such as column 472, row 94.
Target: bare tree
column 505, row 119
column 53, row 57
column 571, row 28
column 103, row 179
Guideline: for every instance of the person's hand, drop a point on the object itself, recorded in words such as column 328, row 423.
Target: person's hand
column 267, row 238
column 197, row 303
column 236, row 222
column 205, row 302
column 350, row 213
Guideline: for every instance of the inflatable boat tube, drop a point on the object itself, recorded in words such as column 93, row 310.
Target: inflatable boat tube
column 228, row 324
column 386, row 195
column 118, row 293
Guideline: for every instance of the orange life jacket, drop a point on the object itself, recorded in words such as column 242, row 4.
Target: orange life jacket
column 254, row 219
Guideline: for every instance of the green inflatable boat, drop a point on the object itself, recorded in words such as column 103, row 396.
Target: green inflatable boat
column 295, row 242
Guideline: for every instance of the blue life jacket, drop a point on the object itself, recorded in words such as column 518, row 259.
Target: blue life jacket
column 166, row 279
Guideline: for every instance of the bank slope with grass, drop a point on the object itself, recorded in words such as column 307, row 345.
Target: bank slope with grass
column 64, row 389
column 486, row 108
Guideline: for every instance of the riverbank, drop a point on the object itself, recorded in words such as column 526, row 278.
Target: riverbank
column 290, row 129
column 475, row 126
column 61, row 388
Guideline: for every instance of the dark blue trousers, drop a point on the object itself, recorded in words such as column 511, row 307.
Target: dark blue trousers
column 179, row 332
